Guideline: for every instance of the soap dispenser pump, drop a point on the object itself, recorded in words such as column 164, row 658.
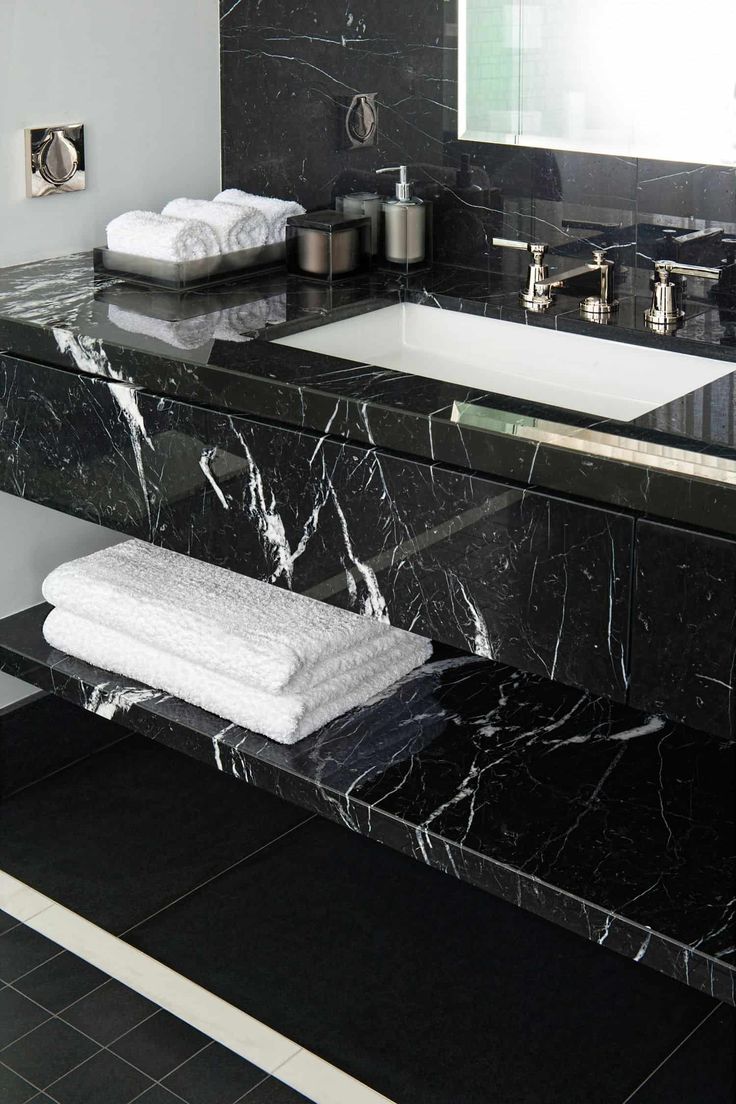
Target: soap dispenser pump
column 405, row 222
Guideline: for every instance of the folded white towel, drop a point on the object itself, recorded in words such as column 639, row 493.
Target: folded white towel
column 286, row 718
column 215, row 618
column 160, row 237
column 242, row 227
column 277, row 211
column 238, row 323
column 188, row 333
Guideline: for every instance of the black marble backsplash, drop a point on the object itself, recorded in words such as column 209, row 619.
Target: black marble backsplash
column 287, row 65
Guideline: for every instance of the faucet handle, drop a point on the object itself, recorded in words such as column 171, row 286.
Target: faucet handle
column 538, row 249
column 664, row 269
column 665, row 312
column 531, row 296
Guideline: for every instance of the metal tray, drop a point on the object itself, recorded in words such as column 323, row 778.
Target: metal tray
column 183, row 275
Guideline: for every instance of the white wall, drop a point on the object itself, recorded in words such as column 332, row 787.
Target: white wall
column 35, row 540
column 143, row 76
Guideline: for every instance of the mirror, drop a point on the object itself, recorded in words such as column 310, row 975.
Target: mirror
column 635, row 78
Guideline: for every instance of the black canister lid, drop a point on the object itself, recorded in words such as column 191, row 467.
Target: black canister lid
column 328, row 220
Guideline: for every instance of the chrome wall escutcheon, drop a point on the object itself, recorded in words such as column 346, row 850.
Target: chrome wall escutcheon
column 54, row 160
column 361, row 120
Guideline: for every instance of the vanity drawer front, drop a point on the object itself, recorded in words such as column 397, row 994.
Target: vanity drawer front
column 525, row 578
column 683, row 651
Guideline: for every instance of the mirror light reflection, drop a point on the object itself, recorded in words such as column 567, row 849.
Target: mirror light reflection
column 640, row 78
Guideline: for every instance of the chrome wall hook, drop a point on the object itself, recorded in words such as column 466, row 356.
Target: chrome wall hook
column 361, row 120
column 55, row 160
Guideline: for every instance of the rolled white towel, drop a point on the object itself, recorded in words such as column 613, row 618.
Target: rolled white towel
column 161, row 237
column 220, row 620
column 286, row 718
column 241, row 227
column 188, row 333
column 276, row 211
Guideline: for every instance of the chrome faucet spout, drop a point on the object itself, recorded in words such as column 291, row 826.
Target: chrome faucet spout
column 596, row 308
column 537, row 293
column 561, row 278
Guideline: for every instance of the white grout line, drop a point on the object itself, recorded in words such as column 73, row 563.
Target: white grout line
column 223, row 1022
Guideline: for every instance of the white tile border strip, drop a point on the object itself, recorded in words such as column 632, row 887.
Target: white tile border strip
column 255, row 1041
column 20, row 901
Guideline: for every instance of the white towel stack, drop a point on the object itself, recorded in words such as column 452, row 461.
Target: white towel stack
column 161, row 237
column 276, row 211
column 191, row 229
column 234, row 227
column 272, row 661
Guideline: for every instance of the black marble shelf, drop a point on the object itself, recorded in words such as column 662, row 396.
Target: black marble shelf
column 612, row 823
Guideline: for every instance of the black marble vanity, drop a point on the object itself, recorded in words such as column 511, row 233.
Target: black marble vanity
column 560, row 543
column 569, row 747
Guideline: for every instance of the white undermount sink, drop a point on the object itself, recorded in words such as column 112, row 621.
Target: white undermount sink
column 590, row 374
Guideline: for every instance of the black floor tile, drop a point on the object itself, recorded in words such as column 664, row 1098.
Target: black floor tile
column 14, row 1089
column 109, row 1012
column 59, row 734
column 17, row 1016
column 6, row 921
column 426, row 989
column 702, row 1071
column 47, row 1053
column 214, row 1076
column 275, row 1092
column 169, row 823
column 104, row 1079
column 23, row 949
column 61, row 981
column 160, row 1044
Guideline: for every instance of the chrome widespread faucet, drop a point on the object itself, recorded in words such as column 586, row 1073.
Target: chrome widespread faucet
column 666, row 311
column 537, row 292
column 597, row 308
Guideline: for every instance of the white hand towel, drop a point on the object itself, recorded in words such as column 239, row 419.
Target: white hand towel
column 277, row 211
column 218, row 619
column 286, row 718
column 160, row 237
column 235, row 228
column 189, row 333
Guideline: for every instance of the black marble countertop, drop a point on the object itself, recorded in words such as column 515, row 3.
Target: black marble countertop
column 612, row 823
column 214, row 348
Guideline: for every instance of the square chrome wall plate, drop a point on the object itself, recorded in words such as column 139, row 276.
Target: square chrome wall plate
column 54, row 160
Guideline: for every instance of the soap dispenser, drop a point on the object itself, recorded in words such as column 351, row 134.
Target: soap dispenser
column 406, row 223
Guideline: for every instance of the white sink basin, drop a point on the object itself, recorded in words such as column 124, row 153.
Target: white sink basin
column 573, row 371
